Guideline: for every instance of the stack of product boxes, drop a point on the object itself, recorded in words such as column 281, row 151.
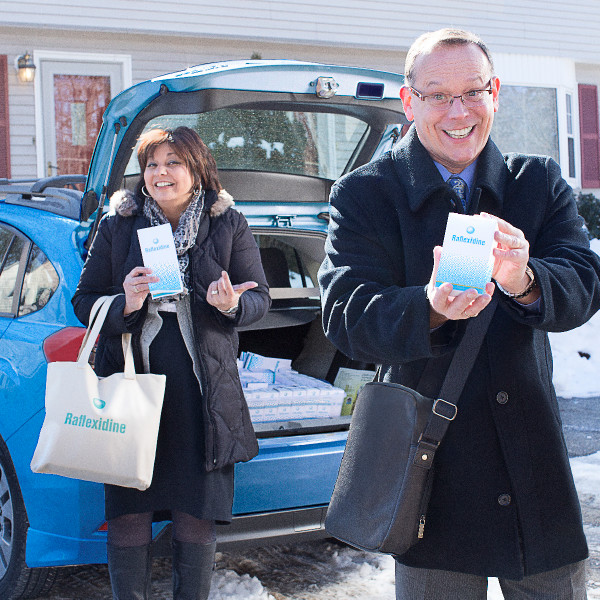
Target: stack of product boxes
column 275, row 392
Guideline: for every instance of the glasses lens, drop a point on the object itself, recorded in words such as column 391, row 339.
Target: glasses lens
column 474, row 97
column 438, row 100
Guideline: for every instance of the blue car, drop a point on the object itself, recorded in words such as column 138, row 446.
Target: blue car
column 282, row 132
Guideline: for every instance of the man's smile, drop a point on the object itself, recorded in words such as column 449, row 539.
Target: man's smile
column 459, row 133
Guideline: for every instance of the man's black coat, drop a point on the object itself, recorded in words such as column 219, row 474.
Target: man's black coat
column 503, row 502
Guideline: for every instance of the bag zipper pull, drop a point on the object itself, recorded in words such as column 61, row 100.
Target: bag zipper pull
column 421, row 527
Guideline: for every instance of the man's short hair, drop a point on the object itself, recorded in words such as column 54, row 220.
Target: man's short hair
column 427, row 42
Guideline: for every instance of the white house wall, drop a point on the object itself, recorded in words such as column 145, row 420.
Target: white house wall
column 547, row 27
column 150, row 56
column 535, row 42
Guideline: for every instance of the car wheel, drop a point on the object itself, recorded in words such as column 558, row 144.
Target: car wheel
column 16, row 579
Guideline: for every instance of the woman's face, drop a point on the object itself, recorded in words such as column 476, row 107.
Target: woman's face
column 168, row 180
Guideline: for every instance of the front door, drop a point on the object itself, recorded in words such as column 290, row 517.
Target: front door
column 74, row 96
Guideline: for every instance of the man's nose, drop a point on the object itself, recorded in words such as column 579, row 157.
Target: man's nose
column 458, row 106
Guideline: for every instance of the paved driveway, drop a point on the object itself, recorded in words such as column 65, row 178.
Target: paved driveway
column 284, row 571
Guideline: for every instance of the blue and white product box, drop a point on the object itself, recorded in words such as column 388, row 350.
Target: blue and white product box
column 278, row 393
column 158, row 253
column 467, row 254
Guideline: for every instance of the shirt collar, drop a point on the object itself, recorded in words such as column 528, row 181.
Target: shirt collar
column 467, row 175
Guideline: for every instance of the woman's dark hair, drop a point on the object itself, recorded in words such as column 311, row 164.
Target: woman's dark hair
column 189, row 147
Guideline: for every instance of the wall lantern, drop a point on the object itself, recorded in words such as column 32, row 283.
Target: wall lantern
column 25, row 68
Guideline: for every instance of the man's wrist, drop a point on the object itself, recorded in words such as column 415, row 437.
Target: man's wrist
column 523, row 293
column 436, row 319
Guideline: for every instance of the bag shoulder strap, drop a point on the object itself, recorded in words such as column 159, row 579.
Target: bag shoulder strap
column 465, row 354
column 444, row 407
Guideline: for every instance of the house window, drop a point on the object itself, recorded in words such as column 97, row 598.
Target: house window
column 590, row 136
column 527, row 121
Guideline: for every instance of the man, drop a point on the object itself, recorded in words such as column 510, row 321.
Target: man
column 503, row 501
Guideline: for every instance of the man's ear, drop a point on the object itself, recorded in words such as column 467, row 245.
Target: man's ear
column 496, row 92
column 406, row 97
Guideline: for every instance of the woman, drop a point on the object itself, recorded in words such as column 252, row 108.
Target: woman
column 191, row 338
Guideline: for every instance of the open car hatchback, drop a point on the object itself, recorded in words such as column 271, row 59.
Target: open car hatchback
column 281, row 132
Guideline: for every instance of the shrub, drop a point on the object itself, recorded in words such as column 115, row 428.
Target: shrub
column 589, row 208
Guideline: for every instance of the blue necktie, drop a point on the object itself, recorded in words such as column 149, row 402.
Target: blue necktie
column 460, row 187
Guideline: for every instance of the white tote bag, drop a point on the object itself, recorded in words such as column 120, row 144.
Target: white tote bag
column 100, row 429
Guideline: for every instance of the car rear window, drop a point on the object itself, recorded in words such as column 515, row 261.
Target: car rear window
column 318, row 144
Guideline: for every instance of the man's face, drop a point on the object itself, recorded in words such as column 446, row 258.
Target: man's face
column 454, row 135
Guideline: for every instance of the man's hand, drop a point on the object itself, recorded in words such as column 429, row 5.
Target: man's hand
column 445, row 307
column 511, row 258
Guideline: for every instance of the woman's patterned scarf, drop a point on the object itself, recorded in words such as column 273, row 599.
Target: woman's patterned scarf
column 184, row 235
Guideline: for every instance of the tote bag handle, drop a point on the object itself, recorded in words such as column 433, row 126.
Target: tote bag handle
column 96, row 320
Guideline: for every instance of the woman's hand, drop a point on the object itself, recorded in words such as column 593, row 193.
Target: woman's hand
column 223, row 295
column 136, row 288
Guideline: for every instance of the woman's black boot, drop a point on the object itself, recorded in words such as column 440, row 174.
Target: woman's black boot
column 193, row 566
column 130, row 570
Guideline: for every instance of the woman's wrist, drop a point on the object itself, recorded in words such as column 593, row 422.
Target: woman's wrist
column 230, row 311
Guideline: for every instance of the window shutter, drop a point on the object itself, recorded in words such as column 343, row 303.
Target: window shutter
column 4, row 126
column 590, row 136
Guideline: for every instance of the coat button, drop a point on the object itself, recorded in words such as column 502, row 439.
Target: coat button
column 501, row 397
column 504, row 499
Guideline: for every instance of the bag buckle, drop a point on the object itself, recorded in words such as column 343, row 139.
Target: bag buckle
column 445, row 407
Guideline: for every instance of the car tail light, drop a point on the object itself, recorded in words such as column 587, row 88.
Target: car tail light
column 64, row 344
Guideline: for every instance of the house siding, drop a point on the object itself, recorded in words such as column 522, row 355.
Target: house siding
column 533, row 27
column 150, row 57
column 535, row 42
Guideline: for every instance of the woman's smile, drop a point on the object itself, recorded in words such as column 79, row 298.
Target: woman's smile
column 168, row 181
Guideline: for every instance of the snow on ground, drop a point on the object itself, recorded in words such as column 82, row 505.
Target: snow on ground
column 359, row 575
column 228, row 585
column 310, row 571
column 576, row 375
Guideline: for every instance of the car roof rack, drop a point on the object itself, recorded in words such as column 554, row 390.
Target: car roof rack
column 56, row 194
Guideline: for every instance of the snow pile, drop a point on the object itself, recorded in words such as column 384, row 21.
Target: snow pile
column 576, row 358
column 310, row 571
column 228, row 585
column 586, row 473
column 367, row 576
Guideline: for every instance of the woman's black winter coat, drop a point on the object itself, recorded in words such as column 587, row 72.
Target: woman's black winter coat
column 224, row 243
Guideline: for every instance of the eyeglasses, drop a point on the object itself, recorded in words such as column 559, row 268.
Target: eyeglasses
column 470, row 99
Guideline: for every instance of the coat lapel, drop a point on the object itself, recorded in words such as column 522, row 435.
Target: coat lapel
column 416, row 171
column 421, row 180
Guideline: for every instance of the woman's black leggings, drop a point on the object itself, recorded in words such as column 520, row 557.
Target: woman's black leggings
column 136, row 529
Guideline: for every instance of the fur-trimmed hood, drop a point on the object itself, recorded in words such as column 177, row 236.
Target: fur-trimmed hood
column 123, row 202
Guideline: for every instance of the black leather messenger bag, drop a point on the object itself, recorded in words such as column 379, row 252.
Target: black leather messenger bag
column 380, row 498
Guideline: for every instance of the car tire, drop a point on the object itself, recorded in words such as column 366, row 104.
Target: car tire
column 16, row 579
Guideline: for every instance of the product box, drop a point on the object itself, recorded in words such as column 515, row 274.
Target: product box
column 158, row 253
column 351, row 381
column 467, row 259
column 278, row 393
column 263, row 405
